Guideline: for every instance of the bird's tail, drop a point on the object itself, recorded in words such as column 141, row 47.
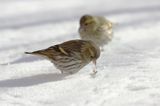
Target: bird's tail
column 39, row 52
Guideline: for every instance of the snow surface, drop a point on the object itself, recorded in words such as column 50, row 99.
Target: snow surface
column 128, row 69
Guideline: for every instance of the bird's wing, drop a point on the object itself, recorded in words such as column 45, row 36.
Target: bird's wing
column 72, row 46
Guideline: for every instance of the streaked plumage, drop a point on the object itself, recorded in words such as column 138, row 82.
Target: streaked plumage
column 96, row 28
column 70, row 56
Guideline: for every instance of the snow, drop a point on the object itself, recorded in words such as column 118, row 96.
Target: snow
column 128, row 69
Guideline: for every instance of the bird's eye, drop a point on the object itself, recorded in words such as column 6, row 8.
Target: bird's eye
column 91, row 57
column 86, row 24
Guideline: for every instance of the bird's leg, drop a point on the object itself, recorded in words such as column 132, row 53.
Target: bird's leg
column 95, row 68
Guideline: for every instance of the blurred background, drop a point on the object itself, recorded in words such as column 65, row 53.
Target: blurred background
column 27, row 13
column 35, row 24
column 128, row 69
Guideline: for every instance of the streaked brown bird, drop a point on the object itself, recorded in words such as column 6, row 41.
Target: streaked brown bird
column 71, row 56
column 96, row 28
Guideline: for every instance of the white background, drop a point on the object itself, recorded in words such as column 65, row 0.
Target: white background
column 128, row 69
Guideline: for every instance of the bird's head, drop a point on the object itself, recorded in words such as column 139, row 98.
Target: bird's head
column 88, row 22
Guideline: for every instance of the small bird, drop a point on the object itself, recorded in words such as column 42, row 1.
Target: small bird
column 96, row 28
column 71, row 56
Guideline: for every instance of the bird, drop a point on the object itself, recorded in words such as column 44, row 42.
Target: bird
column 96, row 28
column 71, row 56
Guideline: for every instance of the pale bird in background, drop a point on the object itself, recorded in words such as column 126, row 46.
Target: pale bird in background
column 96, row 28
